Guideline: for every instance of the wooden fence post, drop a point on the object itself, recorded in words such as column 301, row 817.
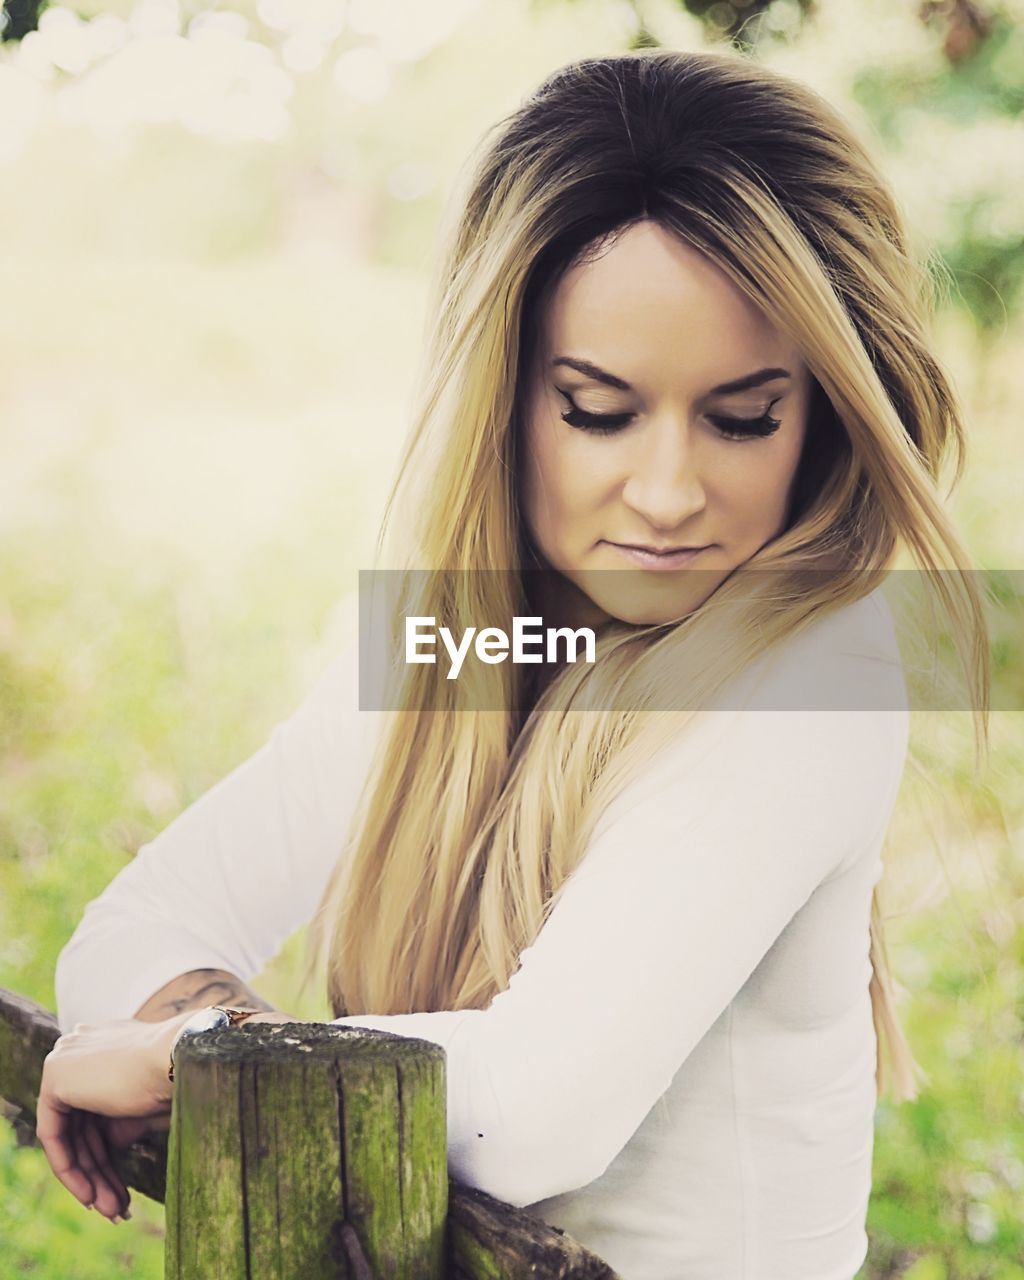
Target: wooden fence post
column 301, row 1151
column 297, row 1121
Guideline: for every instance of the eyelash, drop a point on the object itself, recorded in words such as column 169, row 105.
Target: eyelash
column 604, row 424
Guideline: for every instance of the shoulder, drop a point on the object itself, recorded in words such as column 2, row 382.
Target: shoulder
column 845, row 659
column 838, row 687
column 835, row 687
column 810, row 741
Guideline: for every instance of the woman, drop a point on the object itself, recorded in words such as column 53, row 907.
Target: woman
column 680, row 393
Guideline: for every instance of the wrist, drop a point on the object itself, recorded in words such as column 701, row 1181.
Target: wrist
column 164, row 1034
column 199, row 1021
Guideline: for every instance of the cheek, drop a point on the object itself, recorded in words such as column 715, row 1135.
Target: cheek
column 565, row 475
column 752, row 484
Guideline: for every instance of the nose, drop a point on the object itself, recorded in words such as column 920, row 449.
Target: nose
column 664, row 486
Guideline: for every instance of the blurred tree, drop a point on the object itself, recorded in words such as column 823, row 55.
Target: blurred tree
column 966, row 23
column 741, row 21
column 949, row 114
column 19, row 17
column 974, row 97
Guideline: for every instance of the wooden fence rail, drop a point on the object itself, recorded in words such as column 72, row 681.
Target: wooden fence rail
column 303, row 1151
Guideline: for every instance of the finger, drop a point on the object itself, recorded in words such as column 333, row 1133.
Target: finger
column 90, row 1128
column 122, row 1131
column 55, row 1131
column 104, row 1199
column 107, row 1201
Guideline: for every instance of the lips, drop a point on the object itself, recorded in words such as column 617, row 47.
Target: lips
column 657, row 551
column 654, row 559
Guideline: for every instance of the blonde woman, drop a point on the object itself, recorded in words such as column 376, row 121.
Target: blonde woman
column 680, row 394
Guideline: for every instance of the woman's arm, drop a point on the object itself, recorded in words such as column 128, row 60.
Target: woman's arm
column 213, row 897
column 196, row 990
column 188, row 922
column 106, row 1086
column 687, row 884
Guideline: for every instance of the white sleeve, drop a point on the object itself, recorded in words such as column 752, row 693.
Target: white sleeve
column 681, row 892
column 226, row 883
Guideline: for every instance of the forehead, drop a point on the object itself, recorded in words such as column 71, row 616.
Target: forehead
column 650, row 307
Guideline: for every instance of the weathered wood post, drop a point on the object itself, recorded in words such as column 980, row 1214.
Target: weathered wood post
column 301, row 1151
column 267, row 1194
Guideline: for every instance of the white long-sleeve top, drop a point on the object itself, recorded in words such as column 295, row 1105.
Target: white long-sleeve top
column 680, row 1074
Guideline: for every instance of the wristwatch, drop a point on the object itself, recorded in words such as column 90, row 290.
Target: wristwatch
column 217, row 1015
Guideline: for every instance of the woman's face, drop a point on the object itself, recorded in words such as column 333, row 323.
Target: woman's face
column 647, row 425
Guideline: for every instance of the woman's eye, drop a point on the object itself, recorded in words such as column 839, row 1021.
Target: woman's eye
column 746, row 428
column 600, row 423
column 730, row 428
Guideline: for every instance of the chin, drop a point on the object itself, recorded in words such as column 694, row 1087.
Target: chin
column 636, row 614
column 647, row 600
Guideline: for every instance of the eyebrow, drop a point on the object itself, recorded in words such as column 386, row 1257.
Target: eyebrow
column 609, row 379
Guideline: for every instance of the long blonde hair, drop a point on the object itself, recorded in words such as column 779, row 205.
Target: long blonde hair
column 451, row 868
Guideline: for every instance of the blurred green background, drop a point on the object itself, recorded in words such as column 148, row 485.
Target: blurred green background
column 216, row 227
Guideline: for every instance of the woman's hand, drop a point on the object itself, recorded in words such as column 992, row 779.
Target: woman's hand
column 103, row 1086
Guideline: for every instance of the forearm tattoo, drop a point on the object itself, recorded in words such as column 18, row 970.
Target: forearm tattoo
column 195, row 990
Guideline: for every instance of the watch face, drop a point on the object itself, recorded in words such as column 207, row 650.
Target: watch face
column 205, row 1020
